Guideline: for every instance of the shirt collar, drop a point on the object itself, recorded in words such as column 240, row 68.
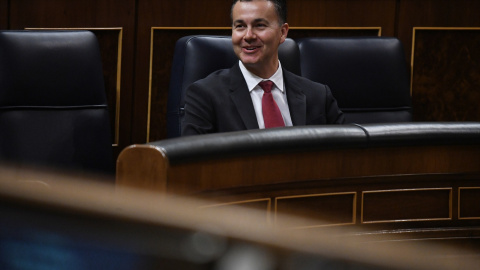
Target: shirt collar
column 253, row 80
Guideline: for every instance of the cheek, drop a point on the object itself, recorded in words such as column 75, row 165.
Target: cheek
column 236, row 49
column 236, row 38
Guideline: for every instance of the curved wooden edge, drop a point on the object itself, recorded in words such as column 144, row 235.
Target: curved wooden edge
column 142, row 166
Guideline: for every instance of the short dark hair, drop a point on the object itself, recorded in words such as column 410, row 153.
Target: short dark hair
column 280, row 8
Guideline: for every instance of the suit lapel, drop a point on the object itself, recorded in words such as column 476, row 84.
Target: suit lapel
column 297, row 102
column 241, row 98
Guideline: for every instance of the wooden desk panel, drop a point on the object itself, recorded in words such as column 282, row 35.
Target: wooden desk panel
column 388, row 187
column 135, row 167
column 400, row 205
column 469, row 203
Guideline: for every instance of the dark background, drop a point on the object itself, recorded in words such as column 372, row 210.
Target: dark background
column 446, row 72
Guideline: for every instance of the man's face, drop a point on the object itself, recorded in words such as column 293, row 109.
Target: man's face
column 256, row 35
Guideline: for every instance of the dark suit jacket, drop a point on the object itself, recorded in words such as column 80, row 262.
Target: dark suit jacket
column 221, row 102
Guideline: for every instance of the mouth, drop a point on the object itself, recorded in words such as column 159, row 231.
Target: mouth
column 250, row 49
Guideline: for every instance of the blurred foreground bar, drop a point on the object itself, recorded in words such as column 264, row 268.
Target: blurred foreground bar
column 59, row 222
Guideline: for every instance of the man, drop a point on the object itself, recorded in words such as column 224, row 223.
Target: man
column 236, row 98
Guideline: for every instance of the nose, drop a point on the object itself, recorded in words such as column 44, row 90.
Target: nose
column 249, row 34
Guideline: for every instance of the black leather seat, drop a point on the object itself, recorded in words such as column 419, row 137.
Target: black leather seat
column 195, row 57
column 53, row 109
column 368, row 75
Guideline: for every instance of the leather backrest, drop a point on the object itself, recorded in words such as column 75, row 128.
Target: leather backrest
column 294, row 139
column 53, row 108
column 367, row 75
column 195, row 57
column 259, row 141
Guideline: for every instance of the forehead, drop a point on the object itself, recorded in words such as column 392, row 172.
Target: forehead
column 254, row 10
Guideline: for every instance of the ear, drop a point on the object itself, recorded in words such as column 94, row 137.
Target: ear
column 284, row 31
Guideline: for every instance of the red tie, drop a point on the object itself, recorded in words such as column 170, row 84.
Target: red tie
column 271, row 113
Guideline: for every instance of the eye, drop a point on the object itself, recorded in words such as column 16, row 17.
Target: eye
column 238, row 26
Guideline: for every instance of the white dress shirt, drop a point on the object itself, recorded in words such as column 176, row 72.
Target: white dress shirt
column 278, row 92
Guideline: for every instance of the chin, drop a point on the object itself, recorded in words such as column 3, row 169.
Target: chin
column 247, row 61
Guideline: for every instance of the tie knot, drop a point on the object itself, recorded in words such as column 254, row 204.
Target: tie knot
column 266, row 86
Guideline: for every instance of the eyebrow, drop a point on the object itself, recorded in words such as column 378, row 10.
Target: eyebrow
column 254, row 21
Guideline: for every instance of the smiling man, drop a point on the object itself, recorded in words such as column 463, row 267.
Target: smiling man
column 257, row 92
column 257, row 31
